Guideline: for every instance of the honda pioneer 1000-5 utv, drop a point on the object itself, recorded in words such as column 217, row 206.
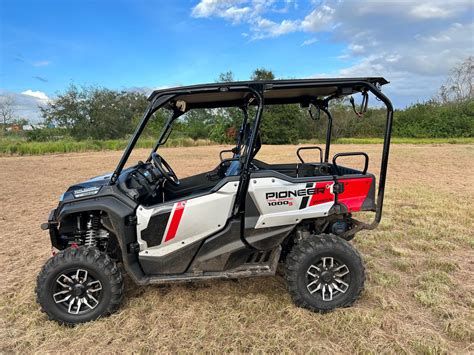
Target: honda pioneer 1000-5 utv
column 239, row 220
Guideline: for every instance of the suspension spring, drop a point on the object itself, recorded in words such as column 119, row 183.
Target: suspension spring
column 92, row 229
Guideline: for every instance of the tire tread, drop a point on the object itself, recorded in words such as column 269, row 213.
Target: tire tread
column 86, row 255
column 308, row 246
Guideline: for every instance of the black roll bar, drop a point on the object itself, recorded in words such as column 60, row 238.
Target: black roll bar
column 239, row 205
column 323, row 105
column 325, row 109
column 161, row 98
column 384, row 162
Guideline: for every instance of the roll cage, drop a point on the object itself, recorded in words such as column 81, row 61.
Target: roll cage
column 306, row 92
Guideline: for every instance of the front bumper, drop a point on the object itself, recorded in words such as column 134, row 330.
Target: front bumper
column 52, row 226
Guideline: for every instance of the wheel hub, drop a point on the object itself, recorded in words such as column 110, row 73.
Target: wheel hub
column 77, row 291
column 327, row 278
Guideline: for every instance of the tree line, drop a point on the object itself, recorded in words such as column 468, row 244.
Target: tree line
column 99, row 113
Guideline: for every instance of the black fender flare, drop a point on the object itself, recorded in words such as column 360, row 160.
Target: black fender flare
column 120, row 215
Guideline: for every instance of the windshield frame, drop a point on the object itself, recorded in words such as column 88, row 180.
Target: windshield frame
column 163, row 99
column 165, row 132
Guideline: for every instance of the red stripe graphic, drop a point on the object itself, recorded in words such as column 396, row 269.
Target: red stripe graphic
column 175, row 219
column 324, row 196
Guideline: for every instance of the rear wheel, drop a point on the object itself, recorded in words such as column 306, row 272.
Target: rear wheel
column 79, row 285
column 324, row 272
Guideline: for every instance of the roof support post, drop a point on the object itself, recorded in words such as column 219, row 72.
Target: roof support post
column 325, row 109
column 239, row 205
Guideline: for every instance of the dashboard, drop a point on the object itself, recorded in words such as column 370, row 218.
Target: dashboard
column 141, row 182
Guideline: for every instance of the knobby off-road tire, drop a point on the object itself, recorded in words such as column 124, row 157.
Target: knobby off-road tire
column 88, row 280
column 314, row 283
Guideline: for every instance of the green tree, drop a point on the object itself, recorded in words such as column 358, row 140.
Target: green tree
column 196, row 123
column 282, row 124
column 226, row 77
column 227, row 120
column 94, row 112
column 262, row 74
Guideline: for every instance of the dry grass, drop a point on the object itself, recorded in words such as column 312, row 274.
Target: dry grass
column 418, row 298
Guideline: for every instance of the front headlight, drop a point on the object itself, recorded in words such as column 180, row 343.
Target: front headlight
column 88, row 191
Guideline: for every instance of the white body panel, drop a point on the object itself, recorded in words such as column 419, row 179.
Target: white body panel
column 199, row 218
column 278, row 203
column 278, row 206
column 293, row 217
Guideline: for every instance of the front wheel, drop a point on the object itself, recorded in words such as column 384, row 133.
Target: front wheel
column 324, row 272
column 78, row 285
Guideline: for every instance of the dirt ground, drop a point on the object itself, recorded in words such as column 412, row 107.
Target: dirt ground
column 418, row 297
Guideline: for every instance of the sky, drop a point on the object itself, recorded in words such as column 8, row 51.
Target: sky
column 47, row 45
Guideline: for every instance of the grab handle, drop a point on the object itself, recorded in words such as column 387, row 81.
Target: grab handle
column 366, row 165
column 225, row 151
column 308, row 148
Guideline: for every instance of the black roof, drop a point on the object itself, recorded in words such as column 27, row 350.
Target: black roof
column 274, row 91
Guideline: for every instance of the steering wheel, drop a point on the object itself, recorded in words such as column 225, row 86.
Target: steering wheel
column 165, row 169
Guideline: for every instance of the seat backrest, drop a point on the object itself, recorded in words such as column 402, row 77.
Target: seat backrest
column 233, row 169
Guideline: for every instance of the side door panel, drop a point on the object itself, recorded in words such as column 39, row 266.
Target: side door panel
column 167, row 228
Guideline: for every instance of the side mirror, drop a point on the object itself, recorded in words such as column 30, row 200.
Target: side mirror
column 363, row 105
column 314, row 112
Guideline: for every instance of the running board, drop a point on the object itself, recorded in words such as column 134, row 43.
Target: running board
column 246, row 270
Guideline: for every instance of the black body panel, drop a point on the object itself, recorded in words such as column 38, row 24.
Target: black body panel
column 369, row 202
column 153, row 234
column 173, row 263
column 195, row 184
column 52, row 226
column 223, row 251
column 267, row 238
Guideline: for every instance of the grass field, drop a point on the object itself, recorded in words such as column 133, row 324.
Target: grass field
column 20, row 146
column 420, row 265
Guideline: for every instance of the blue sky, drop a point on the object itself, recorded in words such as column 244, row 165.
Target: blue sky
column 125, row 44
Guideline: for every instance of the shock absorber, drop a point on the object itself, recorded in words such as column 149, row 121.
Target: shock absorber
column 92, row 229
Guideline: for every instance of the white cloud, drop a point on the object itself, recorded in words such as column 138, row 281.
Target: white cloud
column 414, row 44
column 250, row 12
column 236, row 14
column 41, row 63
column 344, row 56
column 356, row 48
column 36, row 94
column 309, row 42
column 415, row 68
column 318, row 19
column 265, row 28
column 27, row 106
column 228, row 9
column 430, row 10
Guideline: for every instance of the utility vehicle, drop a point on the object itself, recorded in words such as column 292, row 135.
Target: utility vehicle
column 241, row 219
